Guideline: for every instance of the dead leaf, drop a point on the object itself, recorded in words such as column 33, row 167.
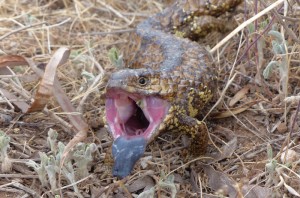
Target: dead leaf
column 45, row 89
column 23, row 106
column 11, row 60
column 255, row 191
column 141, row 183
column 291, row 190
column 220, row 181
column 5, row 119
column 234, row 111
column 239, row 95
column 226, row 151
column 147, row 194
column 289, row 156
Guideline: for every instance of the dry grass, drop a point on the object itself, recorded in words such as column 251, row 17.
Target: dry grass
column 254, row 133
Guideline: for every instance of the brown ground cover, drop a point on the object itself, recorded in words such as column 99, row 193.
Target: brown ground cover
column 254, row 128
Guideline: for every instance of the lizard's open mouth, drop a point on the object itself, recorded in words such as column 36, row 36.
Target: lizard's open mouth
column 132, row 115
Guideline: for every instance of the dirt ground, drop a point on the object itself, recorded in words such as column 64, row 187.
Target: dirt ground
column 254, row 127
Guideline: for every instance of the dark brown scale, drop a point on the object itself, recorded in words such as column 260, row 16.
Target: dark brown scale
column 196, row 18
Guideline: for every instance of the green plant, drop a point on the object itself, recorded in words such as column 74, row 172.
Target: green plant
column 6, row 163
column 279, row 175
column 280, row 60
column 75, row 166
column 115, row 58
column 168, row 183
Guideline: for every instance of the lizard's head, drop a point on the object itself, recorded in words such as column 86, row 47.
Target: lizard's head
column 134, row 113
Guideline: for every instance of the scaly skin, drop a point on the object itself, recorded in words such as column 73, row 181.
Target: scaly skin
column 176, row 74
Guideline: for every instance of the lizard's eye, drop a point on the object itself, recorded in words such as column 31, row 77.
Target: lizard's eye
column 143, row 80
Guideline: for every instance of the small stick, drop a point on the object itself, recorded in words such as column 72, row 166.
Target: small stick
column 11, row 190
column 115, row 11
column 243, row 25
column 105, row 33
column 26, row 189
column 19, row 176
column 20, row 29
column 279, row 20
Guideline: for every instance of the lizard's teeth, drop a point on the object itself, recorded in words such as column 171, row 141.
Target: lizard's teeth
column 125, row 108
column 144, row 108
column 155, row 108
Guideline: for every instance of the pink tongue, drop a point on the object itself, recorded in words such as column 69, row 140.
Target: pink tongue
column 125, row 108
column 155, row 107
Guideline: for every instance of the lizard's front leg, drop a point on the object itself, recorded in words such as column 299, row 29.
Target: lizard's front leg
column 198, row 132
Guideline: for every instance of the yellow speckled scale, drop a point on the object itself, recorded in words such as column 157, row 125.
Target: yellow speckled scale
column 196, row 18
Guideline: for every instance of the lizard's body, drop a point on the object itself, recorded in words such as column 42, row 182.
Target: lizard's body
column 166, row 81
